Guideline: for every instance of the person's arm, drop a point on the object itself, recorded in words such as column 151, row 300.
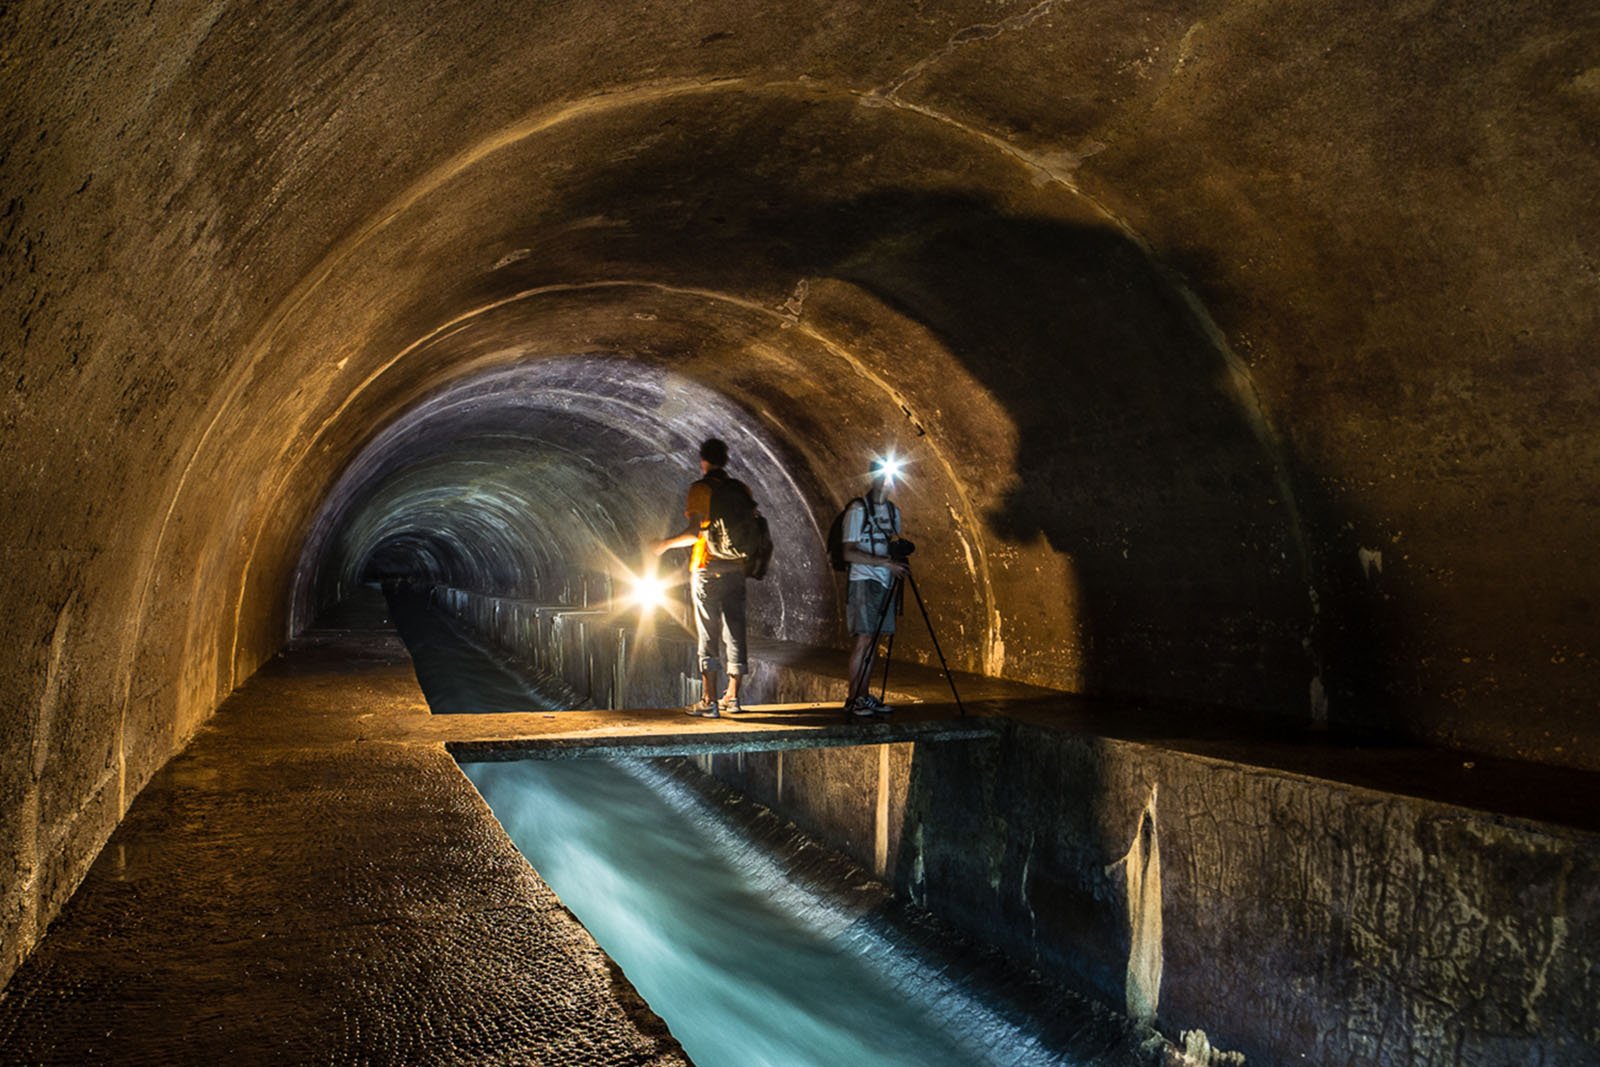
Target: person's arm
column 853, row 553
column 690, row 533
column 683, row 539
column 896, row 567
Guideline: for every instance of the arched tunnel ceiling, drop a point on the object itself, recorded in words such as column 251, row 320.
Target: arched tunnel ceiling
column 522, row 481
column 852, row 276
column 1245, row 350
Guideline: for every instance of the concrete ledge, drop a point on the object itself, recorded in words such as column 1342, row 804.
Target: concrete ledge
column 1292, row 918
column 285, row 891
column 734, row 736
column 546, row 638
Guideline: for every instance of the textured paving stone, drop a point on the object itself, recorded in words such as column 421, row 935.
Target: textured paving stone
column 284, row 892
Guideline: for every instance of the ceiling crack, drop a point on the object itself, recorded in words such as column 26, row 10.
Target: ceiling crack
column 983, row 31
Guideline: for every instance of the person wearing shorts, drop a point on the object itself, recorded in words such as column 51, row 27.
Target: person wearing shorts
column 870, row 523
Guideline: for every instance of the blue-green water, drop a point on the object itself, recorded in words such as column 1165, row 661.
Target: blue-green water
column 741, row 974
column 746, row 968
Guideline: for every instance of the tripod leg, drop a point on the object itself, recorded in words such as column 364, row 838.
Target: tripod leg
column 961, row 708
column 888, row 654
column 897, row 594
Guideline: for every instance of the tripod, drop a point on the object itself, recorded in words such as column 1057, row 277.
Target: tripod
column 863, row 679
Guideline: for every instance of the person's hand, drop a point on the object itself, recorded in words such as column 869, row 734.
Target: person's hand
column 898, row 567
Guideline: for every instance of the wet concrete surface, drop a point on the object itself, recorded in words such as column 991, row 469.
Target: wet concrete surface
column 290, row 890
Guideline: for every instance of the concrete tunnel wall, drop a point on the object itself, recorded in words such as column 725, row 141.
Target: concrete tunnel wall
column 1245, row 353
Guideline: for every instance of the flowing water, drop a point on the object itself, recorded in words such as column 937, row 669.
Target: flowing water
column 746, row 968
column 743, row 970
column 737, row 972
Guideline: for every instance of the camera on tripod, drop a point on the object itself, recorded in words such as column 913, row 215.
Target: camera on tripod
column 899, row 550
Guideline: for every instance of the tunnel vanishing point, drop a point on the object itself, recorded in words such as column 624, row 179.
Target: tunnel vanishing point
column 1244, row 356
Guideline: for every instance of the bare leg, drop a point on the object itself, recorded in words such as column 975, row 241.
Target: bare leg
column 860, row 680
column 733, row 686
column 708, row 685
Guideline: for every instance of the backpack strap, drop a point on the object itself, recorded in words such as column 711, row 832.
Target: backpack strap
column 869, row 515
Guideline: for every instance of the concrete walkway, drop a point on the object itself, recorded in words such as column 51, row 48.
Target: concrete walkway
column 308, row 882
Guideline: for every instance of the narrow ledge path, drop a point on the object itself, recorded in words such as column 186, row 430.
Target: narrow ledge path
column 290, row 889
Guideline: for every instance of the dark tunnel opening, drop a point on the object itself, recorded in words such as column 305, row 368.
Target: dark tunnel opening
column 544, row 481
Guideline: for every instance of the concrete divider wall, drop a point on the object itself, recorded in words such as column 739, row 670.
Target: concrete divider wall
column 1292, row 919
column 608, row 660
column 852, row 799
column 593, row 651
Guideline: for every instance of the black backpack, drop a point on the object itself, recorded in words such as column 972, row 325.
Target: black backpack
column 836, row 531
column 737, row 529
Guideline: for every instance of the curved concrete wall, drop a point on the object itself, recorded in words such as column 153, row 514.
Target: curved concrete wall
column 546, row 480
column 1243, row 353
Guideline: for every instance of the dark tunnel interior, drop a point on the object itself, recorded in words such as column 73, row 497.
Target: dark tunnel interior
column 1241, row 360
column 1104, row 451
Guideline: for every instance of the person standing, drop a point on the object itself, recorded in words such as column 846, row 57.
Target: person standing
column 716, row 582
column 871, row 522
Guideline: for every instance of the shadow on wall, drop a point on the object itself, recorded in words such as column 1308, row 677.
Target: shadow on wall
column 1142, row 455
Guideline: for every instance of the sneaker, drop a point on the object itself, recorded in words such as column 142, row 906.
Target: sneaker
column 730, row 706
column 706, row 709
column 878, row 707
column 861, row 708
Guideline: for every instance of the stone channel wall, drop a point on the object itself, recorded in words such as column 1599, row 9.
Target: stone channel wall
column 1292, row 919
column 604, row 657
column 1295, row 920
column 590, row 650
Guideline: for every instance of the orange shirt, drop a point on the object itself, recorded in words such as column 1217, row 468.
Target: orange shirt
column 699, row 506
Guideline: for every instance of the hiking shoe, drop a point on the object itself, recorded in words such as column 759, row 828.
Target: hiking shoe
column 730, row 706
column 706, row 709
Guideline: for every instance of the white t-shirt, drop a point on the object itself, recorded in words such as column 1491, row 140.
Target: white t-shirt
column 869, row 529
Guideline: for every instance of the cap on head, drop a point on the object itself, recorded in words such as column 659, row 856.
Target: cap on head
column 715, row 452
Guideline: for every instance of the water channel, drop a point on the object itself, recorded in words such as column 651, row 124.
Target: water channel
column 745, row 968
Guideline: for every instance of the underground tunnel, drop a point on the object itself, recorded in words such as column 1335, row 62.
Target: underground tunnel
column 1239, row 360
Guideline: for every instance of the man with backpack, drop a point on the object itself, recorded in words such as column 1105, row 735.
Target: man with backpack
column 868, row 525
column 729, row 540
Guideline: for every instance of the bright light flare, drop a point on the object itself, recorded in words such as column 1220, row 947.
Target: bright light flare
column 649, row 592
column 890, row 467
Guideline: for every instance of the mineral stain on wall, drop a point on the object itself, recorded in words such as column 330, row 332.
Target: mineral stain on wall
column 1141, row 870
